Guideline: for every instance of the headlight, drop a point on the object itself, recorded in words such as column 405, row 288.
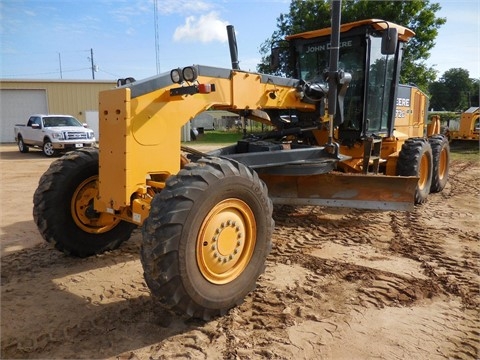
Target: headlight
column 176, row 76
column 58, row 136
column 189, row 74
column 91, row 135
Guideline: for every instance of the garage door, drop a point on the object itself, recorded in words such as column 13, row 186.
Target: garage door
column 17, row 106
column 91, row 117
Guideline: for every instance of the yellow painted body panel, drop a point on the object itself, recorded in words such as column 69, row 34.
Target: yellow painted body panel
column 141, row 136
column 410, row 115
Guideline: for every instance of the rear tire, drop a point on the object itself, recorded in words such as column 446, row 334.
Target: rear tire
column 63, row 208
column 21, row 145
column 207, row 237
column 441, row 162
column 416, row 159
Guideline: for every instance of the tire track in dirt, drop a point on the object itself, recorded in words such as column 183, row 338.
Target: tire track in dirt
column 339, row 283
column 57, row 306
column 448, row 253
column 391, row 234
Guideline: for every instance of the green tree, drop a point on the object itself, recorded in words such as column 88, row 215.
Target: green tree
column 475, row 94
column 438, row 96
column 454, row 91
column 418, row 15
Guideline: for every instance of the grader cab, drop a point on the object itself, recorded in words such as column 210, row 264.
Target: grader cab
column 350, row 136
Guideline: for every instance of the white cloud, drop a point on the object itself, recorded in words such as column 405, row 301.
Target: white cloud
column 206, row 28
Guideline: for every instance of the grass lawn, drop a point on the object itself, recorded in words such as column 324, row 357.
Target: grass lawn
column 218, row 137
column 465, row 150
column 459, row 150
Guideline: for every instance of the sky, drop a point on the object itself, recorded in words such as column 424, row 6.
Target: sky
column 55, row 39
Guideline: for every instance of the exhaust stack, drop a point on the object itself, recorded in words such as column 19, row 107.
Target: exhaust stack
column 232, row 43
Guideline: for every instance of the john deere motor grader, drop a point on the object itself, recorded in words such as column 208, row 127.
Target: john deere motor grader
column 207, row 218
column 469, row 126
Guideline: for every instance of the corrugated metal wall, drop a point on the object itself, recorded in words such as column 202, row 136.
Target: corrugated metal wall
column 72, row 97
column 65, row 96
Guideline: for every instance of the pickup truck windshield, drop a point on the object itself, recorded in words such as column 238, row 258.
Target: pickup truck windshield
column 53, row 121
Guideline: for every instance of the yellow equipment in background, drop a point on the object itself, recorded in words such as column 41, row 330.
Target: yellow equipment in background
column 469, row 127
column 346, row 134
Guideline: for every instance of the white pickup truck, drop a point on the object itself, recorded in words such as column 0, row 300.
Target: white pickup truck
column 53, row 134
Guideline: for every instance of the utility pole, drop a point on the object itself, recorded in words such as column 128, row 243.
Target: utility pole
column 60, row 63
column 93, row 67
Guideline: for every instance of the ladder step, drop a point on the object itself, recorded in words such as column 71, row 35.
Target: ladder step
column 372, row 154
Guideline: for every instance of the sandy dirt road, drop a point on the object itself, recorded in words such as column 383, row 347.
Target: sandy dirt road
column 339, row 284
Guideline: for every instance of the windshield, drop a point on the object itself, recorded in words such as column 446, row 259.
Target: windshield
column 367, row 100
column 314, row 60
column 53, row 121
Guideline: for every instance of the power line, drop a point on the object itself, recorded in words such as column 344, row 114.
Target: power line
column 42, row 73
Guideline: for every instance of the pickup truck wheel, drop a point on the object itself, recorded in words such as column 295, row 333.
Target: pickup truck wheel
column 63, row 208
column 207, row 237
column 441, row 162
column 48, row 149
column 21, row 145
column 416, row 159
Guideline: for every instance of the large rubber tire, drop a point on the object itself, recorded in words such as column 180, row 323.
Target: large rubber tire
column 441, row 162
column 48, row 149
column 21, row 145
column 207, row 237
column 416, row 159
column 63, row 208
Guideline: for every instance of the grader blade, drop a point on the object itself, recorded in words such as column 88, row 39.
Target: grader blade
column 374, row 192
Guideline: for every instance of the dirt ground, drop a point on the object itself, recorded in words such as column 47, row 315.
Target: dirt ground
column 339, row 284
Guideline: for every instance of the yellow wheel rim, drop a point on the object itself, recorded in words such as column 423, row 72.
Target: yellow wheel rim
column 82, row 209
column 226, row 241
column 442, row 164
column 423, row 171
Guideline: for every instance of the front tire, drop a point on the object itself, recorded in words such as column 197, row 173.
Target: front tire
column 207, row 237
column 416, row 159
column 63, row 208
column 48, row 149
column 441, row 162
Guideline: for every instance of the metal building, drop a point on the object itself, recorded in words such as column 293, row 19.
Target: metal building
column 21, row 98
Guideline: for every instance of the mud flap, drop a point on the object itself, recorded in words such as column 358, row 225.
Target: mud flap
column 377, row 192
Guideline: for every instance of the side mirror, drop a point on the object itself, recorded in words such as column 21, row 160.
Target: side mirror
column 35, row 126
column 389, row 41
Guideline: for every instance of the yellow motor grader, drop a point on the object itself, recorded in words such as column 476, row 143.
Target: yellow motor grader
column 349, row 136
column 469, row 126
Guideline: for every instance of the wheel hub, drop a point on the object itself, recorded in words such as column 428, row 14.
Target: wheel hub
column 226, row 241
column 83, row 212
